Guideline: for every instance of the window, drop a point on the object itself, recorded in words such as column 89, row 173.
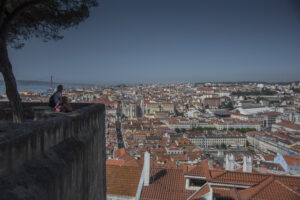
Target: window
column 197, row 182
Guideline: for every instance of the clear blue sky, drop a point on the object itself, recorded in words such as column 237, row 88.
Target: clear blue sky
column 137, row 41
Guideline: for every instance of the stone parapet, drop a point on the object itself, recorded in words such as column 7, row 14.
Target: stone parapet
column 58, row 157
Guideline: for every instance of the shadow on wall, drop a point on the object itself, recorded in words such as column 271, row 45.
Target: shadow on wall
column 57, row 158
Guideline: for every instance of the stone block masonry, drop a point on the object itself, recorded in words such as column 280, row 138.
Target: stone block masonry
column 57, row 158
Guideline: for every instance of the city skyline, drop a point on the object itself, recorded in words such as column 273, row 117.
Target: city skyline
column 171, row 41
column 150, row 99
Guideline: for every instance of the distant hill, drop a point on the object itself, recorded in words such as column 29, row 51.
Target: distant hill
column 47, row 83
column 29, row 82
column 248, row 82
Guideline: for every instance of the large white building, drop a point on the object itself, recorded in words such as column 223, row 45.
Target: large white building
column 267, row 144
column 213, row 140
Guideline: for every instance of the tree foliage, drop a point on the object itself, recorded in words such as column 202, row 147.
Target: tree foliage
column 264, row 91
column 242, row 130
column 23, row 19
column 296, row 90
column 202, row 129
column 227, row 105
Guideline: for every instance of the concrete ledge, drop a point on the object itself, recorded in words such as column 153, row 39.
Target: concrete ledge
column 6, row 114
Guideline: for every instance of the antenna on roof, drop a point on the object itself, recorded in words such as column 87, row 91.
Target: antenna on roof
column 51, row 82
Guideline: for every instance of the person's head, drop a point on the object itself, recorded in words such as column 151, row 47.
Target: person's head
column 60, row 88
column 64, row 99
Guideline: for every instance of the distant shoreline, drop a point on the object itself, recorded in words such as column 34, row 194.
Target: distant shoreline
column 40, row 86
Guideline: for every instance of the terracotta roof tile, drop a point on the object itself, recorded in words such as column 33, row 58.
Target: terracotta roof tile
column 225, row 193
column 270, row 189
column 196, row 171
column 241, row 178
column 134, row 163
column 202, row 191
column 166, row 184
column 269, row 157
column 122, row 180
column 291, row 160
column 115, row 162
column 240, row 169
column 291, row 181
column 289, row 124
column 215, row 173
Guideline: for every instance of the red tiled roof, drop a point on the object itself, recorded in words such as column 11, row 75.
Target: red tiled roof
column 202, row 191
column 183, row 141
column 122, row 154
column 290, row 181
column 225, row 193
column 197, row 171
column 134, row 162
column 115, row 162
column 271, row 113
column 166, row 184
column 291, row 160
column 270, row 189
column 170, row 184
column 240, row 178
column 200, row 170
column 269, row 157
column 289, row 124
column 215, row 173
column 240, row 169
column 122, row 180
column 204, row 89
column 195, row 155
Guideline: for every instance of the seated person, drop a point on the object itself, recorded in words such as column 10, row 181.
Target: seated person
column 63, row 106
column 55, row 98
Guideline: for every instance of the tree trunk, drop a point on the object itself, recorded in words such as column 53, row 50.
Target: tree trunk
column 10, row 84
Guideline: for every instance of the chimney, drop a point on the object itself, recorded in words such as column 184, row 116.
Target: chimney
column 146, row 168
column 229, row 162
column 247, row 164
column 115, row 148
column 232, row 161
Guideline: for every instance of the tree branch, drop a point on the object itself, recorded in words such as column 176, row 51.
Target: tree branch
column 2, row 10
column 2, row 5
column 15, row 13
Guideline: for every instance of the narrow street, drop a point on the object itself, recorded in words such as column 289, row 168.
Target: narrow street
column 118, row 129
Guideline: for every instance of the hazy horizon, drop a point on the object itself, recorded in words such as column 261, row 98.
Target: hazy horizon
column 164, row 41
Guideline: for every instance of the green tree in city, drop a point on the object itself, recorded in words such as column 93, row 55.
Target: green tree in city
column 223, row 146
column 202, row 129
column 177, row 130
column 258, row 99
column 23, row 19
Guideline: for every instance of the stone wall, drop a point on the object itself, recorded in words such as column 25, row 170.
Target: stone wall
column 6, row 113
column 58, row 158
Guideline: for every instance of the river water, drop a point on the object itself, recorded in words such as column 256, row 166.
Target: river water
column 33, row 88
